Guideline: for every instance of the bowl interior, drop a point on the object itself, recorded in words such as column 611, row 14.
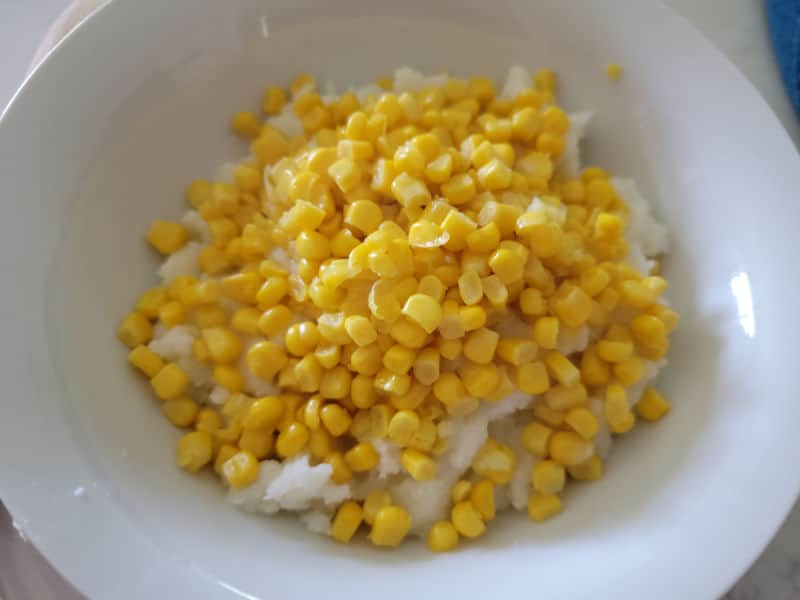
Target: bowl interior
column 131, row 132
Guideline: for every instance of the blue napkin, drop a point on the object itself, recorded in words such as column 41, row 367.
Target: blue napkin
column 784, row 28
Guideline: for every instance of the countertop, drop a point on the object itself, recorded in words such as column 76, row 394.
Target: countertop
column 737, row 27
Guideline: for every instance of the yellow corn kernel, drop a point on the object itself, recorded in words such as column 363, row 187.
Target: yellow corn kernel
column 198, row 192
column 194, row 451
column 292, row 440
column 448, row 389
column 366, row 360
column 614, row 351
column 273, row 321
column 364, row 216
column 341, row 473
column 335, row 383
column 303, row 215
column 460, row 491
column 420, row 466
column 390, row 526
column 652, row 405
column 229, row 377
column 402, row 427
column 574, row 308
column 590, row 470
column 246, row 125
column 568, row 448
column 147, row 361
column 408, row 159
column 471, row 318
column 224, row 453
column 312, row 245
column 328, row 355
column 442, row 537
column 408, row 334
column 362, row 457
column 525, row 124
column 562, row 368
column 302, row 338
column 517, row 351
column 170, row 382
column 667, row 316
column 548, row 477
column 507, row 265
column 135, row 330
column 467, row 520
column 613, row 72
column 224, row 345
column 167, row 237
column 458, row 226
column 555, row 120
column 594, row 371
column 172, row 313
column 480, row 345
column 335, row 419
column 409, row 191
column 258, row 441
column 545, row 332
column 245, row 320
column 346, row 522
column 470, row 287
column 209, row 315
column 360, row 330
column 181, row 412
column 426, row 366
column 541, row 508
column 536, row 438
column 374, row 502
column 460, row 189
column 554, row 418
column 399, row 359
column 440, row 169
column 274, row 100
column 265, row 359
column 200, row 351
column 648, row 329
column 561, row 397
column 208, row 420
column 550, row 144
column 264, row 413
column 583, row 422
column 271, row 292
column 495, row 175
column 495, row 461
column 241, row 469
column 495, row 290
column 531, row 302
column 424, row 311
column 484, row 239
column 532, row 378
column 242, row 287
column 151, row 301
column 482, row 498
column 630, row 371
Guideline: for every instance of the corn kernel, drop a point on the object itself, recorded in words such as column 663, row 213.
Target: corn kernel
column 223, row 344
column 194, row 451
column 614, row 351
column 541, row 508
column 482, row 498
column 341, row 473
column 147, row 361
column 590, row 470
column 467, row 520
column 460, row 189
column 568, row 448
column 545, row 332
column 536, row 438
column 265, row 359
column 347, row 520
column 517, row 351
column 135, row 330
column 652, row 405
column 495, row 461
column 583, row 422
column 241, row 469
column 470, row 287
column 181, row 412
column 246, row 125
column 532, row 378
column 362, row 457
column 562, row 368
column 480, row 345
column 548, row 477
column 364, row 216
column 390, row 527
column 170, row 382
column 442, row 537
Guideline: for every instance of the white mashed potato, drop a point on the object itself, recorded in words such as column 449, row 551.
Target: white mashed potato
column 295, row 485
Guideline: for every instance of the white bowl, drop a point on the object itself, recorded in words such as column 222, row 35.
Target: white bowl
column 106, row 133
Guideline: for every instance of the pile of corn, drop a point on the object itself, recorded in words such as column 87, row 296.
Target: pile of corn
column 416, row 225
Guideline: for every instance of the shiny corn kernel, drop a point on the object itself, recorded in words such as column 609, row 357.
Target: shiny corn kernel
column 346, row 522
column 402, row 427
column 507, row 265
column 614, row 351
column 335, row 419
column 517, row 351
column 241, row 469
column 341, row 473
column 223, row 344
column 194, row 451
column 568, row 448
column 170, row 382
column 583, row 422
column 532, row 377
column 652, row 405
column 147, row 361
column 470, row 287
column 390, row 526
column 135, row 330
column 480, row 345
column 363, row 215
column 362, row 457
column 541, row 508
column 467, row 520
column 265, row 359
column 424, row 311
column 562, row 368
column 532, row 303
column 292, row 440
column 442, row 536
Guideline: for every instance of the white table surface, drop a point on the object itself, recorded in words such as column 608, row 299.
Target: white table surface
column 737, row 27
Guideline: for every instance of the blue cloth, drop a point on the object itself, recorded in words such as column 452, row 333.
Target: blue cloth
column 784, row 28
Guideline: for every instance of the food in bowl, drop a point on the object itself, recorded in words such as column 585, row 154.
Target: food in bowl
column 407, row 308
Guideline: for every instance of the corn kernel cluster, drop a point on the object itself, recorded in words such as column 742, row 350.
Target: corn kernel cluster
column 418, row 224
